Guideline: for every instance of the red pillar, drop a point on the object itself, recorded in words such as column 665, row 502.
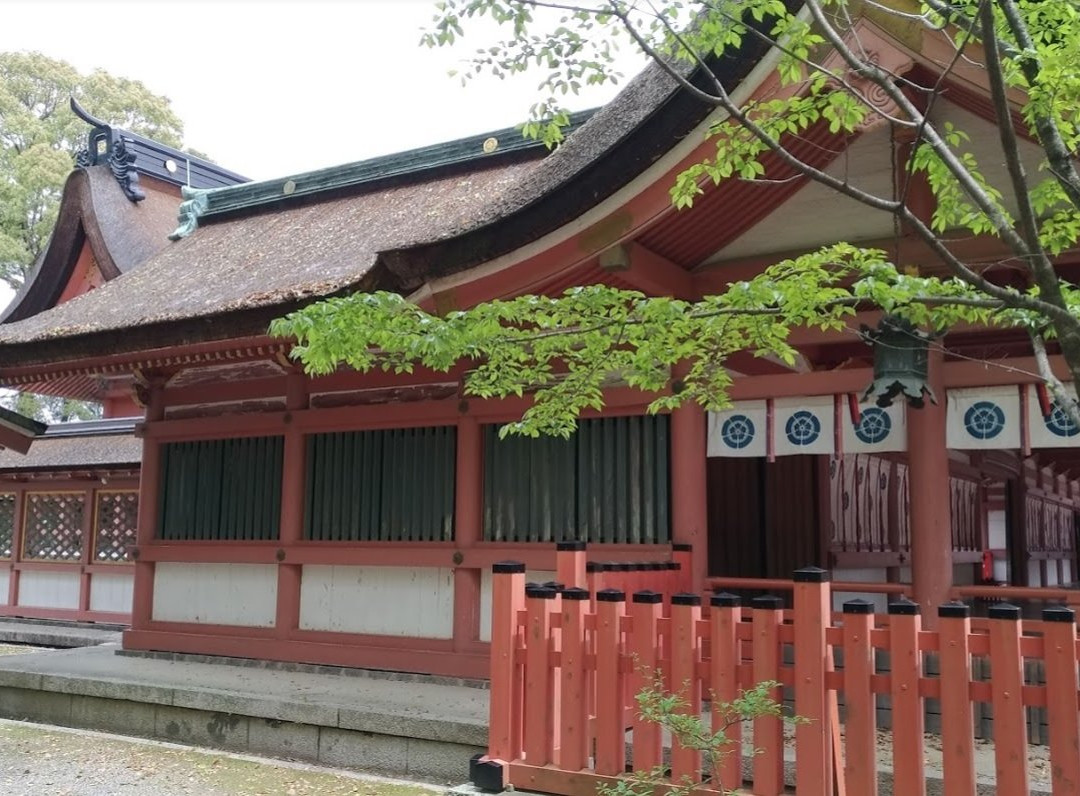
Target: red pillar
column 142, row 603
column 928, row 498
column 689, row 524
column 468, row 511
column 291, row 528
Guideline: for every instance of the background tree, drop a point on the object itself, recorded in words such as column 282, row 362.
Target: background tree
column 39, row 136
column 565, row 350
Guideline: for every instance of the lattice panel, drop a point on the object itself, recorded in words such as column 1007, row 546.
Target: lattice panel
column 53, row 527
column 116, row 515
column 7, row 523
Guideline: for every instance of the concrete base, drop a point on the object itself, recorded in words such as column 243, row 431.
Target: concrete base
column 408, row 729
column 45, row 633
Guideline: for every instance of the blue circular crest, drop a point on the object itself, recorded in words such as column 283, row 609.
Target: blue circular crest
column 874, row 425
column 1059, row 422
column 737, row 431
column 984, row 420
column 802, row 428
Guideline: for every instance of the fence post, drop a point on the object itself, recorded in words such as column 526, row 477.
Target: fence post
column 860, row 738
column 505, row 718
column 685, row 656
column 610, row 707
column 957, row 722
column 574, row 728
column 570, row 564
column 768, row 730
column 1007, row 692
column 645, row 610
column 725, row 616
column 813, row 739
column 908, row 720
column 539, row 708
column 1059, row 653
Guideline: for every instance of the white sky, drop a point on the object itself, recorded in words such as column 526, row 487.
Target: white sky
column 269, row 87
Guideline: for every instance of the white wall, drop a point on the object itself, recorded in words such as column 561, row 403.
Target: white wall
column 111, row 592
column 220, row 594
column 531, row 576
column 866, row 575
column 390, row 601
column 1034, row 573
column 49, row 589
column 5, row 580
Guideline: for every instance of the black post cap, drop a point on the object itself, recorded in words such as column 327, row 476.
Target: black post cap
column 621, row 566
column 611, row 596
column 768, row 602
column 953, row 610
column 569, row 547
column 592, row 566
column 654, row 566
column 647, row 597
column 685, row 598
column 508, row 568
column 673, row 565
column 552, row 584
column 538, row 591
column 858, row 606
column 487, row 775
column 1058, row 613
column 903, row 607
column 682, row 547
column 812, row 575
column 1004, row 611
column 574, row 593
column 725, row 599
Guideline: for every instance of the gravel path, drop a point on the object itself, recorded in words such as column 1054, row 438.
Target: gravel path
column 45, row 761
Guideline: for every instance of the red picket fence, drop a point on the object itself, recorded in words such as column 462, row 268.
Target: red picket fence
column 565, row 666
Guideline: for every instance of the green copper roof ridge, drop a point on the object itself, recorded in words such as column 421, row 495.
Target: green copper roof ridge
column 208, row 202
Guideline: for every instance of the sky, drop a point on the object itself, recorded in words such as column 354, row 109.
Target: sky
column 269, row 88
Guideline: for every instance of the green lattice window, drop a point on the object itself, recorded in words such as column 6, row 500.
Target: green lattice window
column 222, row 489
column 607, row 483
column 393, row 485
column 53, row 526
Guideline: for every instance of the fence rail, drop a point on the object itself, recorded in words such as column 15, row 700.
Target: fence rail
column 565, row 665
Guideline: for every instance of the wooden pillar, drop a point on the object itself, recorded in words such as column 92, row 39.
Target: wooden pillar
column 142, row 604
column 291, row 528
column 689, row 515
column 928, row 488
column 16, row 546
column 468, row 511
column 88, row 544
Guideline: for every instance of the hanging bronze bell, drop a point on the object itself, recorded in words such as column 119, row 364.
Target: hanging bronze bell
column 901, row 362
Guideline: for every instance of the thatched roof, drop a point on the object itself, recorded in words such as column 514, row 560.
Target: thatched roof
column 251, row 262
column 89, row 444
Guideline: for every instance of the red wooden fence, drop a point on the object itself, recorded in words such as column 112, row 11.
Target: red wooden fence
column 565, row 667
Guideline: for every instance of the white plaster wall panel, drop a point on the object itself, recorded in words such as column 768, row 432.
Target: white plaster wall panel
column 1066, row 571
column 531, row 576
column 1034, row 573
column 385, row 601
column 996, row 530
column 216, row 594
column 49, row 589
column 112, row 592
column 5, row 581
column 862, row 575
column 1051, row 573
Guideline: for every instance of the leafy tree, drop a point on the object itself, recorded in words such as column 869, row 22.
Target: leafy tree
column 50, row 408
column 39, row 136
column 565, row 350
